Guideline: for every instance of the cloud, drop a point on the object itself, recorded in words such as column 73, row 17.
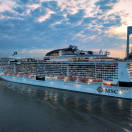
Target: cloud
column 8, row 5
column 46, row 16
column 32, row 7
column 10, row 17
column 8, row 10
column 56, row 23
column 94, row 26
column 73, row 6
column 88, row 23
column 41, row 1
column 84, row 37
column 123, row 9
column 117, row 31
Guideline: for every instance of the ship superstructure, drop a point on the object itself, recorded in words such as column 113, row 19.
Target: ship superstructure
column 83, row 67
column 74, row 63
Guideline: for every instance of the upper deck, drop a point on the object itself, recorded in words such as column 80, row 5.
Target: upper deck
column 72, row 53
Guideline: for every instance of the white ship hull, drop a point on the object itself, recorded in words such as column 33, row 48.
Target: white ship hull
column 92, row 88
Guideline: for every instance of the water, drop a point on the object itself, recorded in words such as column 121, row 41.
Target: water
column 36, row 109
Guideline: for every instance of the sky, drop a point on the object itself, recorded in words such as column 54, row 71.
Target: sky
column 34, row 27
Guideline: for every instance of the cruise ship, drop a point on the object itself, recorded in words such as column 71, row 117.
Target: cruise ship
column 81, row 71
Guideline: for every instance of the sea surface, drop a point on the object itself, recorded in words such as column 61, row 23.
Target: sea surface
column 26, row 108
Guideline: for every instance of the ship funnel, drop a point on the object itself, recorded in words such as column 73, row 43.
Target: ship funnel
column 129, row 31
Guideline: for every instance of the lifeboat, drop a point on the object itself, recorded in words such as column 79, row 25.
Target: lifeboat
column 97, row 81
column 90, row 80
column 72, row 78
column 10, row 73
column 60, row 77
column 113, row 83
column 6, row 73
column 107, row 83
column 13, row 74
column 17, row 74
column 23, row 74
column 83, row 79
column 20, row 74
column 29, row 75
column 50, row 78
column 26, row 75
column 66, row 79
column 32, row 76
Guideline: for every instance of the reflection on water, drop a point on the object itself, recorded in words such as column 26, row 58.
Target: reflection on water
column 106, row 113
